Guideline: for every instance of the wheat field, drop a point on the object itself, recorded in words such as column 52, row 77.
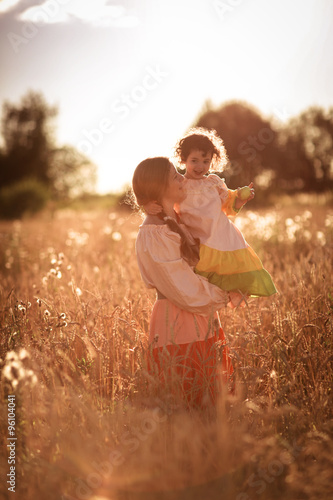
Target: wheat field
column 90, row 421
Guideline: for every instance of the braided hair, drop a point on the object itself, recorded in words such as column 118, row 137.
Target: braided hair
column 189, row 246
column 150, row 181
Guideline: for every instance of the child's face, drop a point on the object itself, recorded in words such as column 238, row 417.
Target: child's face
column 197, row 164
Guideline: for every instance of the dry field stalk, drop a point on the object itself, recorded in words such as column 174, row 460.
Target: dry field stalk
column 91, row 424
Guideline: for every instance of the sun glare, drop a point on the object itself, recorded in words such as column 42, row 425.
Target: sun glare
column 97, row 13
column 7, row 5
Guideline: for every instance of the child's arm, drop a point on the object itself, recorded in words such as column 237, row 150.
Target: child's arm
column 237, row 198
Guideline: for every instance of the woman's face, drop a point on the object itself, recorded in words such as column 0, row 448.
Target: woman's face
column 174, row 191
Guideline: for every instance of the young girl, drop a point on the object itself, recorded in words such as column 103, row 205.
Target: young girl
column 226, row 259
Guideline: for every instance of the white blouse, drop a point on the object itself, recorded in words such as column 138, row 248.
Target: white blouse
column 205, row 209
column 162, row 267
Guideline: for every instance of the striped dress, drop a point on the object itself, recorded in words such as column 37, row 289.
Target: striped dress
column 226, row 259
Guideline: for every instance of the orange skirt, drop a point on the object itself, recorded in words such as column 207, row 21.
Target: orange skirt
column 194, row 370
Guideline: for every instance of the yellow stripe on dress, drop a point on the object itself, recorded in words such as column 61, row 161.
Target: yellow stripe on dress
column 228, row 262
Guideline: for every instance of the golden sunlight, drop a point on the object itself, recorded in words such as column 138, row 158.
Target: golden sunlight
column 6, row 5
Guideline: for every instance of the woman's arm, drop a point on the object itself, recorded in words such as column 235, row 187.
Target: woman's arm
column 161, row 266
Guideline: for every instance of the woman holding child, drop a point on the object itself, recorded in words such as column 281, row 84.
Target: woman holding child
column 187, row 342
column 185, row 332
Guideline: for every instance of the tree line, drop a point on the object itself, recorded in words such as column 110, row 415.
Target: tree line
column 33, row 167
column 291, row 157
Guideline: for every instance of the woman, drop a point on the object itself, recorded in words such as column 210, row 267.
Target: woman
column 185, row 335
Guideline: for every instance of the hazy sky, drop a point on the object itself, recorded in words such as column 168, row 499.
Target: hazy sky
column 129, row 77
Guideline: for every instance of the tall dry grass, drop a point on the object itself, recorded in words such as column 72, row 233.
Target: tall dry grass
column 89, row 421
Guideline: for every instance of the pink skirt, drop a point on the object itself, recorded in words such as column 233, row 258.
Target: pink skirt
column 188, row 354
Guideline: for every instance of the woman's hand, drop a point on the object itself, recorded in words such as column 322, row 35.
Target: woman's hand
column 244, row 195
column 152, row 208
column 237, row 300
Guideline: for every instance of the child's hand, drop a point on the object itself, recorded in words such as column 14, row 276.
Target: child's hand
column 152, row 208
column 244, row 195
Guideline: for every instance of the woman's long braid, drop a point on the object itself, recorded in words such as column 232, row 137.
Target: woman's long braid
column 189, row 249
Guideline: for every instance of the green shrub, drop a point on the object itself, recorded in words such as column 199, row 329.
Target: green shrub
column 27, row 196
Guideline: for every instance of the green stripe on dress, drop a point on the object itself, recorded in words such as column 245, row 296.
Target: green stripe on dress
column 253, row 283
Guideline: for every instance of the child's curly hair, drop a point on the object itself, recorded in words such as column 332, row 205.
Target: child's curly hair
column 206, row 141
